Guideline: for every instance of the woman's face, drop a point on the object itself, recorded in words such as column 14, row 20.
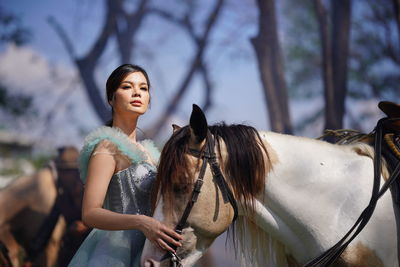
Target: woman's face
column 132, row 95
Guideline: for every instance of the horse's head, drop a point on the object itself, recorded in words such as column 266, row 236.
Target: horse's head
column 186, row 158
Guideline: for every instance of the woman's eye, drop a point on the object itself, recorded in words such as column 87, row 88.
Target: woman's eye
column 126, row 87
column 143, row 88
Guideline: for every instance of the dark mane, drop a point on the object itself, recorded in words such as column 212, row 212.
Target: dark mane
column 245, row 166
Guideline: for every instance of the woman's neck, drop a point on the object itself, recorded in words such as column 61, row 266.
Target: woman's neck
column 127, row 125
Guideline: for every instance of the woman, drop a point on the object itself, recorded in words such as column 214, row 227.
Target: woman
column 118, row 173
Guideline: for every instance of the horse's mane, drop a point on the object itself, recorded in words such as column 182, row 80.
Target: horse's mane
column 245, row 166
column 255, row 247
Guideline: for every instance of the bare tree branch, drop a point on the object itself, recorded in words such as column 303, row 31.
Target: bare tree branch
column 125, row 26
column 63, row 36
column 209, row 88
column 186, row 24
column 132, row 23
column 97, row 49
column 87, row 64
column 196, row 64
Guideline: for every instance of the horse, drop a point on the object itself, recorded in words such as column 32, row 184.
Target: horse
column 296, row 197
column 30, row 225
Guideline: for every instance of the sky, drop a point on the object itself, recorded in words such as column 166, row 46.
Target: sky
column 43, row 67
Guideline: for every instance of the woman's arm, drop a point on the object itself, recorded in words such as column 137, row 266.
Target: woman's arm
column 100, row 170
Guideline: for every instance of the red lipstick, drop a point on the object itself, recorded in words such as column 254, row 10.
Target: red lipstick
column 136, row 103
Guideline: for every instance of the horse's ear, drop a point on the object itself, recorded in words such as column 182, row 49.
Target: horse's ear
column 175, row 128
column 198, row 125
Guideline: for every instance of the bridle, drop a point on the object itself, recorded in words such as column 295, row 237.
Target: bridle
column 208, row 156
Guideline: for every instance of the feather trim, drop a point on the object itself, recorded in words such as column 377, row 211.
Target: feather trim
column 151, row 149
column 121, row 140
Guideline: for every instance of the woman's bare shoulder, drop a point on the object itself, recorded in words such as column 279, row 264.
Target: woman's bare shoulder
column 105, row 146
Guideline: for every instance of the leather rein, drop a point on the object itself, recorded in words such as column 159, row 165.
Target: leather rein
column 208, row 156
column 331, row 255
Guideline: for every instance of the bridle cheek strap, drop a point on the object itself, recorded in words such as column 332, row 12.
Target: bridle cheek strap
column 208, row 156
column 195, row 194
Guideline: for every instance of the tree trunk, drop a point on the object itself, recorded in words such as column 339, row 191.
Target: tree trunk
column 327, row 70
column 396, row 8
column 340, row 53
column 270, row 64
column 335, row 37
column 87, row 64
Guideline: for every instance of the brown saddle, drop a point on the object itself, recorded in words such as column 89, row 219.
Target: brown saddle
column 392, row 110
column 391, row 135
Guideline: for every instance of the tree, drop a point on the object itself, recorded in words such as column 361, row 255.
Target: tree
column 197, row 63
column 125, row 27
column 375, row 57
column 86, row 64
column 334, row 34
column 396, row 9
column 270, row 64
column 372, row 49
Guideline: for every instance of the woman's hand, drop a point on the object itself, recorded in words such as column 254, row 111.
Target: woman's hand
column 159, row 234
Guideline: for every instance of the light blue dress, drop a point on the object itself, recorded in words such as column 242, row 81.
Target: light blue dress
column 128, row 193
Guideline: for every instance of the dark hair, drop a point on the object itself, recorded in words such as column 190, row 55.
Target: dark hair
column 117, row 76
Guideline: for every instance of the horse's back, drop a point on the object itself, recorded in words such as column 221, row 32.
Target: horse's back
column 36, row 193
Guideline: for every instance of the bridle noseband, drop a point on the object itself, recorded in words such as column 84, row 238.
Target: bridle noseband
column 208, row 156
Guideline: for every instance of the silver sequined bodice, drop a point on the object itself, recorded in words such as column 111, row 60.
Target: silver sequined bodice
column 129, row 189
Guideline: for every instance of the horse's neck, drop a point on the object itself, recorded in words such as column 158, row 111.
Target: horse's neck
column 307, row 189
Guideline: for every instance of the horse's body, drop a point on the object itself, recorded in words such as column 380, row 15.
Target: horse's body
column 31, row 227
column 24, row 205
column 313, row 192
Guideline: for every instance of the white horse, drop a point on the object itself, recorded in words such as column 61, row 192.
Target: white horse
column 310, row 195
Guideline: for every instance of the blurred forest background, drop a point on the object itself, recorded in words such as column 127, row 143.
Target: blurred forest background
column 290, row 66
